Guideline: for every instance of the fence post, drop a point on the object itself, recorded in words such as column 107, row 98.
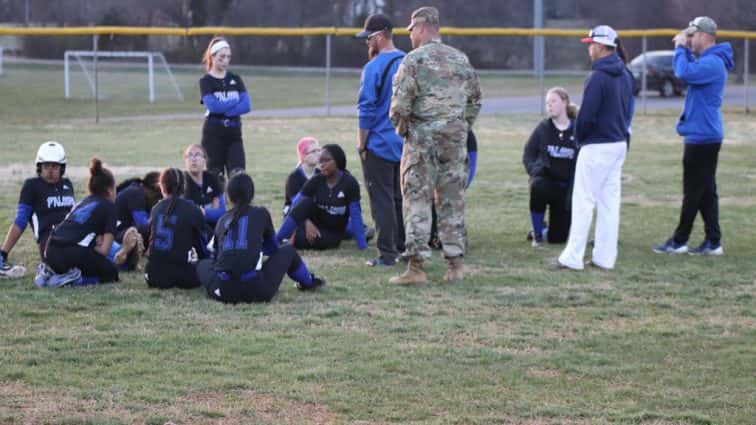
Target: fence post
column 328, row 75
column 538, row 51
column 747, row 42
column 151, row 76
column 95, row 39
column 643, row 72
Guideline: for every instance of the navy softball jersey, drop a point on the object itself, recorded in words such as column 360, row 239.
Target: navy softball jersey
column 203, row 195
column 91, row 217
column 221, row 96
column 44, row 205
column 239, row 246
column 332, row 203
column 131, row 209
column 174, row 235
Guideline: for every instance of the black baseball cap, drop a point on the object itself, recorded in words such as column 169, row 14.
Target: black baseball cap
column 375, row 23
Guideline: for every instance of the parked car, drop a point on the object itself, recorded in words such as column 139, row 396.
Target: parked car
column 659, row 73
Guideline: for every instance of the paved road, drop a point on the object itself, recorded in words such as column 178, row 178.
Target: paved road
column 734, row 96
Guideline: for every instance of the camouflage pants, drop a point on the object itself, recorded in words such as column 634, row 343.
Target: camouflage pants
column 434, row 169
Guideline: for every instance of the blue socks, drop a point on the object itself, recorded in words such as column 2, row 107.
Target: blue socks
column 301, row 275
column 537, row 220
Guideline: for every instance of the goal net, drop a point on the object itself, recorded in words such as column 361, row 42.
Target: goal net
column 119, row 75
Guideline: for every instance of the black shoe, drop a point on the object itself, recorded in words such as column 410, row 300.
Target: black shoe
column 317, row 282
column 369, row 233
column 380, row 261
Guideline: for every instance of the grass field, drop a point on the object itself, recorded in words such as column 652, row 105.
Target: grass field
column 661, row 340
column 33, row 93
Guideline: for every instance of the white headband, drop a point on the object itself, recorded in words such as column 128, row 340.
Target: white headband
column 217, row 46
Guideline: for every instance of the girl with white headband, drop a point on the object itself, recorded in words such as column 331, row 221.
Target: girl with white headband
column 225, row 98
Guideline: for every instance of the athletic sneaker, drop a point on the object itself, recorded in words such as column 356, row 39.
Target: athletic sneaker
column 317, row 282
column 380, row 261
column 544, row 234
column 71, row 277
column 10, row 271
column 537, row 242
column 707, row 247
column 44, row 273
column 671, row 247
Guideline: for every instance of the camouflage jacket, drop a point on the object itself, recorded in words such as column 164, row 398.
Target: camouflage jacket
column 434, row 82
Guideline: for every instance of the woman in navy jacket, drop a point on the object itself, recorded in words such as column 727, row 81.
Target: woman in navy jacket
column 602, row 131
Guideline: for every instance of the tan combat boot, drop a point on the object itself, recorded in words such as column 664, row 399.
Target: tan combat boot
column 414, row 273
column 455, row 271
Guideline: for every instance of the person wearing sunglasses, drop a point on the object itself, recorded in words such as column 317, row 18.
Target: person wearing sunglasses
column 379, row 146
column 702, row 63
column 602, row 130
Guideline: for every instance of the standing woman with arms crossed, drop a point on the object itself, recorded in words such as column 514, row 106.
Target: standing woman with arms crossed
column 225, row 98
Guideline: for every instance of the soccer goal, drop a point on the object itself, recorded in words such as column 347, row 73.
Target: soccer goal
column 118, row 69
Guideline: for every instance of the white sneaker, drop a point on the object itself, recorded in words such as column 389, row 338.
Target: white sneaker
column 44, row 273
column 71, row 277
column 10, row 271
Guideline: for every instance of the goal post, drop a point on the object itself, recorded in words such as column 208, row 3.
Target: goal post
column 151, row 57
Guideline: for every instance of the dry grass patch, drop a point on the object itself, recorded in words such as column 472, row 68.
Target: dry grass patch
column 23, row 404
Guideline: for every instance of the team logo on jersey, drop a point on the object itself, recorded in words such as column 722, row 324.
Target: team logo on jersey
column 65, row 187
column 226, row 96
column 209, row 190
column 233, row 82
column 60, row 201
column 560, row 152
column 217, row 292
column 340, row 195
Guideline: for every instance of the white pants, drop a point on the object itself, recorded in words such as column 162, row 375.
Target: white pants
column 598, row 183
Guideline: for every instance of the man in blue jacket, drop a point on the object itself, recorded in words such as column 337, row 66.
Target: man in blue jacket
column 700, row 126
column 602, row 131
column 379, row 146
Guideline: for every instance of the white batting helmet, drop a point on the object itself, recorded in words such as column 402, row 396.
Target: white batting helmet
column 51, row 152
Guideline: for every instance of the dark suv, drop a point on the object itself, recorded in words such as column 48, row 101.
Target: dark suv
column 659, row 73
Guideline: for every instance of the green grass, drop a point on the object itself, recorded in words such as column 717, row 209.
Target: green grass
column 35, row 93
column 659, row 340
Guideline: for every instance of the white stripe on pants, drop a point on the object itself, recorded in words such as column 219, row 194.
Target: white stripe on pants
column 598, row 183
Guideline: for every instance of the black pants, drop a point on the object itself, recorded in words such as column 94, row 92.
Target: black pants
column 225, row 149
column 546, row 192
column 382, row 181
column 262, row 288
column 62, row 258
column 164, row 276
column 328, row 239
column 700, row 192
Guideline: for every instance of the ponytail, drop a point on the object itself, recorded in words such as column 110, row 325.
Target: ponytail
column 100, row 178
column 241, row 191
column 207, row 57
column 620, row 49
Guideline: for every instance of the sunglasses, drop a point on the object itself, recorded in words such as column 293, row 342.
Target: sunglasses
column 372, row 36
column 196, row 155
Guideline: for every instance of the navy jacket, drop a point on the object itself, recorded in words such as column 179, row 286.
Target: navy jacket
column 607, row 107
column 701, row 120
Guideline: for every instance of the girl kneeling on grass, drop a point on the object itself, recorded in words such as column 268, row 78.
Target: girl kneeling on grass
column 79, row 248
column 243, row 236
column 176, row 226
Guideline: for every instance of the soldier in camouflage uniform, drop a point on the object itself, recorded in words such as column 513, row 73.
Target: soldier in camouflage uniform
column 436, row 98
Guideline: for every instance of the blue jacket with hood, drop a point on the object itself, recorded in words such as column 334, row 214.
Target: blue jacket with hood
column 701, row 119
column 608, row 103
